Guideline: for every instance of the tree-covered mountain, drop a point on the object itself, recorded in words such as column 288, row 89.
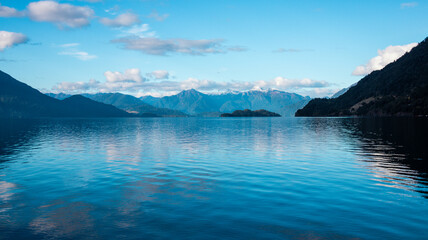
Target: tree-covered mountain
column 196, row 103
column 78, row 105
column 249, row 113
column 400, row 88
column 18, row 100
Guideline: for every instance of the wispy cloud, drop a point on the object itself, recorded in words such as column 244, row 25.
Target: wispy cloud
column 113, row 10
column 158, row 17
column 139, row 31
column 123, row 20
column 383, row 58
column 84, row 56
column 7, row 60
column 70, row 49
column 158, row 74
column 291, row 50
column 237, row 49
column 91, row 1
column 10, row 39
column 139, row 38
column 67, row 45
column 163, row 47
column 409, row 4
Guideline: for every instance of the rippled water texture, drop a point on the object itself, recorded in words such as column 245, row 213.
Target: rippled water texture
column 214, row 178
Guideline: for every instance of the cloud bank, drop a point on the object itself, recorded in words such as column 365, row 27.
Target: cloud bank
column 132, row 81
column 383, row 58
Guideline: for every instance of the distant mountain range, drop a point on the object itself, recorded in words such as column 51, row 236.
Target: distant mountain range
column 400, row 88
column 342, row 91
column 194, row 103
column 18, row 100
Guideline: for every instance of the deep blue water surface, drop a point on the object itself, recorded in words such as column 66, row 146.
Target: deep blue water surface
column 214, row 178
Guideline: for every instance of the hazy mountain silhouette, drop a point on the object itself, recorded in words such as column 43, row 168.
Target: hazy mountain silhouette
column 128, row 103
column 400, row 88
column 342, row 91
column 133, row 104
column 18, row 100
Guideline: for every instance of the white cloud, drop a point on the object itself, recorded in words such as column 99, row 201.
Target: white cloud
column 76, row 86
column 63, row 15
column 159, row 74
column 130, row 75
column 10, row 39
column 384, row 57
column 70, row 49
column 123, row 20
column 409, row 4
column 10, row 12
column 155, row 15
column 284, row 83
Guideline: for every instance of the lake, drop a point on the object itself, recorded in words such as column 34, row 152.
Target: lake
column 214, row 178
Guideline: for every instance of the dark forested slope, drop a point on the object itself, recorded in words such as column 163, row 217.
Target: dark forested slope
column 400, row 88
column 18, row 100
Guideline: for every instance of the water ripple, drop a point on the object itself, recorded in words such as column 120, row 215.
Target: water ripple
column 279, row 178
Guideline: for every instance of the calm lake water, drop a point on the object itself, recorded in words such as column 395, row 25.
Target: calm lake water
column 214, row 178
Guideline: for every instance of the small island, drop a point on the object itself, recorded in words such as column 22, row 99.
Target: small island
column 249, row 113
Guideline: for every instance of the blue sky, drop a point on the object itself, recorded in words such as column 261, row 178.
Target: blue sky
column 162, row 47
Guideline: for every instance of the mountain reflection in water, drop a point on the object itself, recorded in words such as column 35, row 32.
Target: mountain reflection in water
column 292, row 178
